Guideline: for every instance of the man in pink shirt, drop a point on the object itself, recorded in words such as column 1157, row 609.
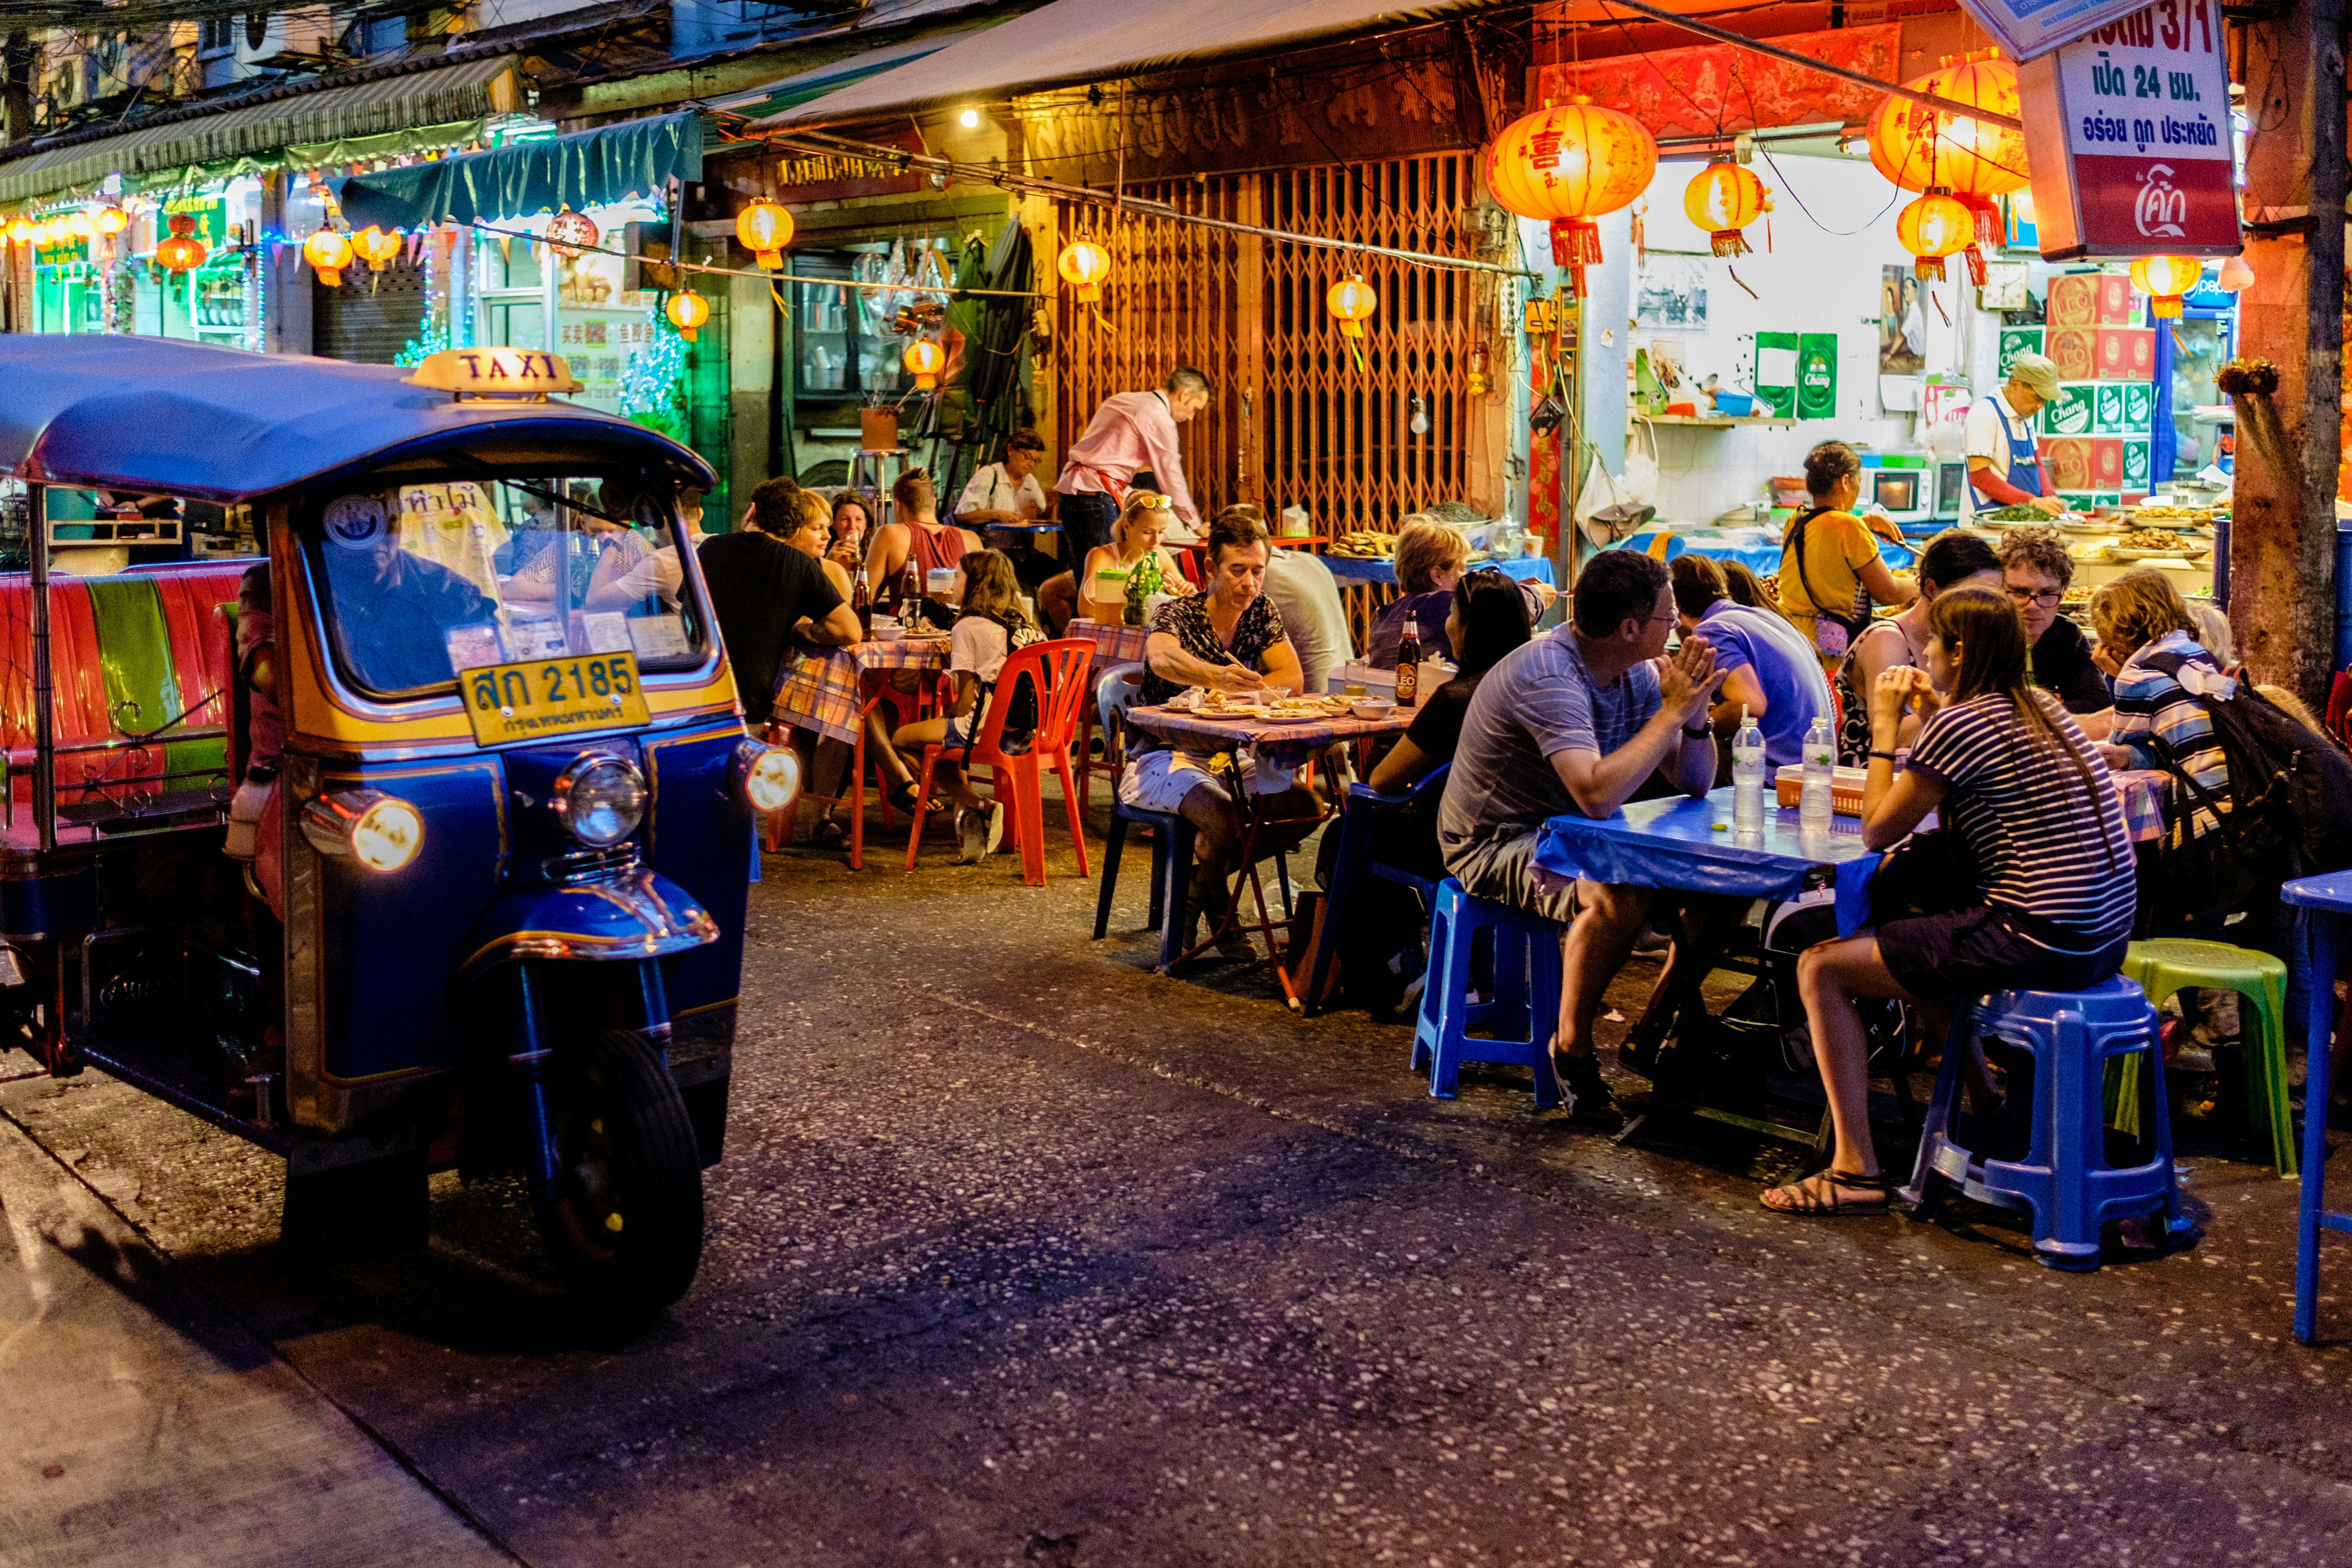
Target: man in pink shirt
column 1130, row 444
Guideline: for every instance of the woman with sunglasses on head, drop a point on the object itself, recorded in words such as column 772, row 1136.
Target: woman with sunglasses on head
column 2031, row 811
column 1142, row 565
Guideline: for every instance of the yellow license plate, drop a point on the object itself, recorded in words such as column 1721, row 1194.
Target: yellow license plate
column 551, row 698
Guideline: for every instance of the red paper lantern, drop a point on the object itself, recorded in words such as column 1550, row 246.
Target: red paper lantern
column 181, row 251
column 2164, row 280
column 1723, row 199
column 1570, row 165
column 1921, row 148
column 568, row 231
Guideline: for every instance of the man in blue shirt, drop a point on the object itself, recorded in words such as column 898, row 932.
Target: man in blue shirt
column 1577, row 720
column 1768, row 667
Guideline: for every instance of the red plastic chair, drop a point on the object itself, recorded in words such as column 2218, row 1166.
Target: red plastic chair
column 1057, row 671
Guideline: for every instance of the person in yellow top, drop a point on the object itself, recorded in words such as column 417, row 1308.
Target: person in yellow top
column 1830, row 574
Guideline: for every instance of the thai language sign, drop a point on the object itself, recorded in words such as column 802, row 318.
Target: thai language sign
column 2128, row 132
column 2030, row 27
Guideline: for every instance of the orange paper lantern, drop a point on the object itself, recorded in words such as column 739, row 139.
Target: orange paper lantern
column 2164, row 280
column 182, row 251
column 1723, row 199
column 77, row 225
column 765, row 229
column 1571, row 165
column 1919, row 147
column 686, row 311
column 924, row 359
column 1352, row 300
column 1936, row 225
column 1083, row 264
column 328, row 253
column 375, row 247
column 20, row 232
column 568, row 231
column 110, row 221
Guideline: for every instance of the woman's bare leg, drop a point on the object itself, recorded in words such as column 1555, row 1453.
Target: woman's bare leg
column 1829, row 976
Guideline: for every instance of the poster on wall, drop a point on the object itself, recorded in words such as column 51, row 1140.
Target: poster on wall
column 2128, row 132
column 1674, row 290
column 1902, row 322
column 599, row 325
column 1817, row 358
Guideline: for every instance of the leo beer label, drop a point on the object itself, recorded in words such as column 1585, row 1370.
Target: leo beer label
column 2073, row 300
column 2124, row 354
column 2068, row 462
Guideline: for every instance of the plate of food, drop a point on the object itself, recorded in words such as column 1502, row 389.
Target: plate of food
column 2146, row 543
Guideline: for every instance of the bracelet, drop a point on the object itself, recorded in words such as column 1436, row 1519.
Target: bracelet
column 1697, row 731
column 1888, row 755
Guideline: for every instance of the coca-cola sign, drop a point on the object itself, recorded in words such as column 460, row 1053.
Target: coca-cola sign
column 2127, row 133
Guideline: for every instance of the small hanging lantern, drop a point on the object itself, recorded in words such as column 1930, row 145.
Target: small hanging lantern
column 1571, row 165
column 110, row 221
column 1723, row 199
column 686, row 311
column 182, row 251
column 923, row 359
column 20, row 231
column 1083, row 264
column 764, row 229
column 2164, row 280
column 1936, row 225
column 1353, row 301
column 2236, row 275
column 78, row 227
column 328, row 253
column 568, row 231
column 375, row 247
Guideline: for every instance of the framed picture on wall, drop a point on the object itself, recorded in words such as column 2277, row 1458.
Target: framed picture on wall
column 1902, row 322
column 1672, row 290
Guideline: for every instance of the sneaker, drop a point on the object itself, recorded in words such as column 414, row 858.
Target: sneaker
column 971, row 832
column 1590, row 1103
column 996, row 816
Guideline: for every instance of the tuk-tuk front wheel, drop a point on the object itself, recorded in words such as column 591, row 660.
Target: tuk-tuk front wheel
column 624, row 1223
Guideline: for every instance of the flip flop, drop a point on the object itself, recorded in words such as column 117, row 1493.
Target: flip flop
column 1818, row 1196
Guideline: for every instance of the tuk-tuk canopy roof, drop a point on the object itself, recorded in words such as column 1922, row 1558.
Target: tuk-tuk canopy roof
column 221, row 425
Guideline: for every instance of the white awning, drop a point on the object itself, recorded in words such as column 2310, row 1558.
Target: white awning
column 1074, row 41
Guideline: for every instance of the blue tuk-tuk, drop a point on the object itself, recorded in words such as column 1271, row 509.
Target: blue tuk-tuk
column 415, row 837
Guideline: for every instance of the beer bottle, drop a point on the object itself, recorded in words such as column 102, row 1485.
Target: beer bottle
column 1408, row 671
column 861, row 599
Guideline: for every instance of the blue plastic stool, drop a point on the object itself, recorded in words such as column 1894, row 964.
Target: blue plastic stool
column 1524, row 1013
column 2065, row 1178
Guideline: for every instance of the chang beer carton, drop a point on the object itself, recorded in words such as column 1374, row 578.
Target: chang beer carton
column 2107, row 408
column 2124, row 407
column 2016, row 340
column 2139, row 408
column 2074, row 412
column 2135, row 466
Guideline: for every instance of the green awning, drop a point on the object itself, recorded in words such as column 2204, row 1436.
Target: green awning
column 278, row 126
column 584, row 169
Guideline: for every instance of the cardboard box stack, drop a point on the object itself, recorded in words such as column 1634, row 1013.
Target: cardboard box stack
column 2094, row 433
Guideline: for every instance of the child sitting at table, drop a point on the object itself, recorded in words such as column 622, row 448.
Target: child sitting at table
column 2044, row 900
column 989, row 627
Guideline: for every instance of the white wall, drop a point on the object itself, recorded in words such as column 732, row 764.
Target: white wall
column 1811, row 280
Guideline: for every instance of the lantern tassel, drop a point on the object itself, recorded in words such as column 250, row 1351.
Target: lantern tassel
column 1575, row 245
column 1929, row 268
column 782, row 309
column 1729, row 242
column 1976, row 260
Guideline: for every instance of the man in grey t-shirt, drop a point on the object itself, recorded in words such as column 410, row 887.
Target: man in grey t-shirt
column 1575, row 721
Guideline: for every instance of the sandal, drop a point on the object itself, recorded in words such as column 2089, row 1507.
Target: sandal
column 831, row 833
column 1820, row 1195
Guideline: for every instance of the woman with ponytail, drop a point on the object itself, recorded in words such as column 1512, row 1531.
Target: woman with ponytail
column 2028, row 800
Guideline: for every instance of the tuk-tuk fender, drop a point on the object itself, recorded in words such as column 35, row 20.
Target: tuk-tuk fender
column 639, row 916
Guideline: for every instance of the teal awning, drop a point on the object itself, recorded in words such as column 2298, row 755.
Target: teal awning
column 584, row 169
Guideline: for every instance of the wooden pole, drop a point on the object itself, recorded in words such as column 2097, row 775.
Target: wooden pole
column 2283, row 537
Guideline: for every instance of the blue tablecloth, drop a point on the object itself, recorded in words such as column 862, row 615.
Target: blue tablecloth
column 1676, row 844
column 1757, row 549
column 1535, row 566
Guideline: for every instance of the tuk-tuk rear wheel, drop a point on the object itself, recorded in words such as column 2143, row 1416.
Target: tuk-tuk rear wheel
column 623, row 1225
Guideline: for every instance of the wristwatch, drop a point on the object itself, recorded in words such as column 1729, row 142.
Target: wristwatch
column 1697, row 731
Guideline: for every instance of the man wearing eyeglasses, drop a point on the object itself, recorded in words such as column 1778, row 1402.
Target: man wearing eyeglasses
column 2035, row 568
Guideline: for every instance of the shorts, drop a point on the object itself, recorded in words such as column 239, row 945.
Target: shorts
column 1160, row 780
column 959, row 736
column 1977, row 951
column 1502, row 871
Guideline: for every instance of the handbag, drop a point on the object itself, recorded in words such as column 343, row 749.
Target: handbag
column 1832, row 633
column 1927, row 874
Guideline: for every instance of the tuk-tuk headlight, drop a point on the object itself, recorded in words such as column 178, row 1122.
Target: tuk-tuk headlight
column 600, row 799
column 769, row 776
column 382, row 832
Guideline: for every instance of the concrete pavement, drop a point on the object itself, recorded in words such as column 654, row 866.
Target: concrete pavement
column 1021, row 1255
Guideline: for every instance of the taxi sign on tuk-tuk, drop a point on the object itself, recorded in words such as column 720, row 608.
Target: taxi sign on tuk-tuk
column 542, row 699
column 504, row 373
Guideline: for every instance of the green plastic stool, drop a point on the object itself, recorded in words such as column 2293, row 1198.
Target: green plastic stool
column 2165, row 965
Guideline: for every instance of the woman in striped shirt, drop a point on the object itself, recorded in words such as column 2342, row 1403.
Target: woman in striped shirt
column 2162, row 678
column 2032, row 802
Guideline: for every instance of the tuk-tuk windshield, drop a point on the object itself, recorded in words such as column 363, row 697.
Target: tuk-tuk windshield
column 424, row 580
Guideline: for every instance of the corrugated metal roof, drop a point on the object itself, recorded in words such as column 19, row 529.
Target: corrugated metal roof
column 457, row 93
column 1074, row 41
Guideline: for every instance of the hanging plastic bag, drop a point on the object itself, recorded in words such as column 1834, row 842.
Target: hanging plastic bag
column 1607, row 508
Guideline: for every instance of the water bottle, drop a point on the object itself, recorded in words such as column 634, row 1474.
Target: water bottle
column 1814, row 809
column 1747, row 776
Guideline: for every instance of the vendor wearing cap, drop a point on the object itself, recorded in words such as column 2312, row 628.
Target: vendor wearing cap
column 2004, row 469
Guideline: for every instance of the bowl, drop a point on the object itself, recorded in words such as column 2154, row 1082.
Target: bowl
column 1737, row 405
column 1373, row 708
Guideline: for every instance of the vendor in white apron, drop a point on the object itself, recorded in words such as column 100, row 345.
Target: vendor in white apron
column 2004, row 469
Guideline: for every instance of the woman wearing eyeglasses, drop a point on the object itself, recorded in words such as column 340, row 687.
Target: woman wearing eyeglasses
column 2035, row 570
column 1116, row 579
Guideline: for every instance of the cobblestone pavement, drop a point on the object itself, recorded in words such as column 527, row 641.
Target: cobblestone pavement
column 1022, row 1254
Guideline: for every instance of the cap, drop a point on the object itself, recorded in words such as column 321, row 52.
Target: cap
column 2039, row 374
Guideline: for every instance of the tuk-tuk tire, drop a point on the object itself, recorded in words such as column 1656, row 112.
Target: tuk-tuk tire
column 647, row 1140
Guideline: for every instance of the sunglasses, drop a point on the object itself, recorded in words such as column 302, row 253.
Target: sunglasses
column 1149, row 500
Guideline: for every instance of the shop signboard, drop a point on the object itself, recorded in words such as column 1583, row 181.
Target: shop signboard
column 2128, row 132
column 802, row 178
column 2030, row 27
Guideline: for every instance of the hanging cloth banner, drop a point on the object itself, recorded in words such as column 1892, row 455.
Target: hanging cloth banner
column 1715, row 87
column 2127, row 133
column 584, row 169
